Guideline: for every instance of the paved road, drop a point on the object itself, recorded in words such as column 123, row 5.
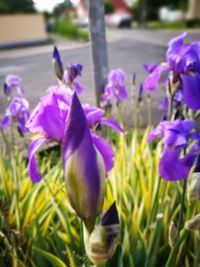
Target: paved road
column 128, row 49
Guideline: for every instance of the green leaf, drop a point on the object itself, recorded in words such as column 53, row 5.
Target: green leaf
column 56, row 262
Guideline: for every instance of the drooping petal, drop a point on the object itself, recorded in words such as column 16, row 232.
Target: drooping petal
column 83, row 166
column 152, row 81
column 79, row 89
column 113, row 124
column 20, row 90
column 105, row 150
column 155, row 133
column 93, row 114
column 32, row 163
column 122, row 92
column 172, row 167
column 191, row 90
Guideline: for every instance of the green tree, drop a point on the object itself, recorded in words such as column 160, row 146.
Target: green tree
column 152, row 6
column 16, row 6
column 109, row 8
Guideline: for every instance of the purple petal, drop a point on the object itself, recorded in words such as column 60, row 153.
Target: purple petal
column 74, row 71
column 122, row 92
column 172, row 168
column 111, row 216
column 113, row 124
column 49, row 116
column 20, row 90
column 79, row 89
column 164, row 104
column 93, row 114
column 152, row 81
column 12, row 80
column 191, row 90
column 107, row 95
column 172, row 138
column 155, row 133
column 150, row 67
column 32, row 163
column 117, row 77
column 105, row 150
column 6, row 122
column 176, row 43
column 83, row 168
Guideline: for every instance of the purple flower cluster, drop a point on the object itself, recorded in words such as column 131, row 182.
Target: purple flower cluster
column 12, row 82
column 71, row 75
column 180, row 139
column 176, row 135
column 183, row 66
column 18, row 106
column 115, row 87
column 18, row 110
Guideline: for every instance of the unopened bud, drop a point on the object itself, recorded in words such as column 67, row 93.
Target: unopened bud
column 194, row 223
column 103, row 241
column 194, row 187
column 172, row 234
column 57, row 63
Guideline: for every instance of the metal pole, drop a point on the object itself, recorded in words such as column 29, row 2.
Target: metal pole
column 98, row 45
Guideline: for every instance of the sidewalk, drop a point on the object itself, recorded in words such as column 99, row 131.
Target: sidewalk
column 61, row 42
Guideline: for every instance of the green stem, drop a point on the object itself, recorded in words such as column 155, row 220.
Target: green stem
column 155, row 202
column 6, row 142
column 149, row 110
column 150, row 259
column 174, row 251
column 180, row 218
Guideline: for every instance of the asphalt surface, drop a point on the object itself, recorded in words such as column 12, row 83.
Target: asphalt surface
column 128, row 49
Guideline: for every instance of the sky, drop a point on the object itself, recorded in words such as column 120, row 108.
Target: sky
column 48, row 5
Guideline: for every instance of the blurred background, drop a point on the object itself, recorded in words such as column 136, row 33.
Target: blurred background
column 137, row 32
column 29, row 21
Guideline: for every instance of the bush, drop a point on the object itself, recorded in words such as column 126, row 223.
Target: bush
column 70, row 30
column 109, row 8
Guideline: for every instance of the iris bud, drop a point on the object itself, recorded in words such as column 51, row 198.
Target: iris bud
column 193, row 224
column 57, row 63
column 194, row 187
column 102, row 242
column 83, row 166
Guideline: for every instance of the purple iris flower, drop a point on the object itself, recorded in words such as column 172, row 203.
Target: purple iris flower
column 18, row 110
column 183, row 60
column 174, row 164
column 57, row 64
column 115, row 87
column 12, row 82
column 49, row 119
column 83, row 165
column 71, row 77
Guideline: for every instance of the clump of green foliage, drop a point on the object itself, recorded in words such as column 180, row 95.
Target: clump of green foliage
column 68, row 29
column 39, row 228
